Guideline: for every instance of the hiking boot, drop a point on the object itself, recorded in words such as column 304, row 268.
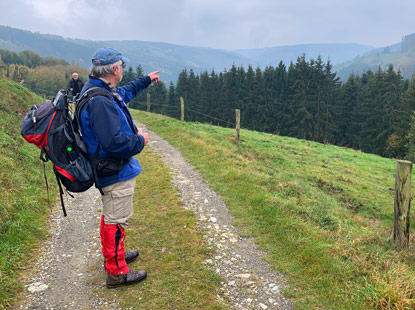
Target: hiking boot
column 131, row 277
column 130, row 256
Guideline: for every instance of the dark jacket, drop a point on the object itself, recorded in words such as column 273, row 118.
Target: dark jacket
column 76, row 85
column 104, row 122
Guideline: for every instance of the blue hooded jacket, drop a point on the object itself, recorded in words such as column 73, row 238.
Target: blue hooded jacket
column 105, row 123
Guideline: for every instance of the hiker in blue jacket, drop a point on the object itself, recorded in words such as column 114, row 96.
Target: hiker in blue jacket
column 110, row 134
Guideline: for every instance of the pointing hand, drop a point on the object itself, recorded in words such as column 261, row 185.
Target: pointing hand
column 154, row 77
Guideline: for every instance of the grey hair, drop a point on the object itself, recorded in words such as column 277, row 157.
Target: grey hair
column 103, row 71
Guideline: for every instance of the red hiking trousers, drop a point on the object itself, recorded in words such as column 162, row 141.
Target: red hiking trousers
column 112, row 241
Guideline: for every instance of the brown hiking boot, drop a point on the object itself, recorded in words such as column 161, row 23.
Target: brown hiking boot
column 131, row 277
column 130, row 256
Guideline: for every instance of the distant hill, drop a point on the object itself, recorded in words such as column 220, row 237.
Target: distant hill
column 170, row 58
column 400, row 55
column 337, row 53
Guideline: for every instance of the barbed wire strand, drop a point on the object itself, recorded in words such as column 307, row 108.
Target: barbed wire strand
column 348, row 174
column 338, row 170
column 197, row 112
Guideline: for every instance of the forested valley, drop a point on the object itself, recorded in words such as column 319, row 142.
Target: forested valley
column 372, row 112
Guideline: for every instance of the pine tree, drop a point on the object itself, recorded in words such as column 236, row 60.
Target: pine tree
column 173, row 102
column 249, row 103
column 348, row 120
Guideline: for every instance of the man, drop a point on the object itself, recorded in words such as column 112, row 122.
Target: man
column 75, row 84
column 108, row 130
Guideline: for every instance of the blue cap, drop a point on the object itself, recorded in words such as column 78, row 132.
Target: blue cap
column 106, row 56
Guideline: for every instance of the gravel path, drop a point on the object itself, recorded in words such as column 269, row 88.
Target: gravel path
column 69, row 260
column 249, row 282
column 62, row 278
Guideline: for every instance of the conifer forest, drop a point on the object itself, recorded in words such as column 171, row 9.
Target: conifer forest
column 372, row 112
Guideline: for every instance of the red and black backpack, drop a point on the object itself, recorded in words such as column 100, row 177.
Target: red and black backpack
column 55, row 129
column 51, row 127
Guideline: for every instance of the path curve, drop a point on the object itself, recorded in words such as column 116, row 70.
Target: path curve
column 249, row 282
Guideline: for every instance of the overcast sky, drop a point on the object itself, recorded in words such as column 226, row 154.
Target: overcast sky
column 227, row 24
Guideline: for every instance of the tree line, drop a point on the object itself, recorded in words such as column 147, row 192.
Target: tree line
column 42, row 75
column 372, row 112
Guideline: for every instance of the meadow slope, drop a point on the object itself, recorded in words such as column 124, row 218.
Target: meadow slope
column 323, row 213
column 23, row 199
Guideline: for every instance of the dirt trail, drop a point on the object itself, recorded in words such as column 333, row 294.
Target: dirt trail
column 71, row 258
column 249, row 282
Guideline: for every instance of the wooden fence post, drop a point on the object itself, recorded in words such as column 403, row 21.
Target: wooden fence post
column 148, row 102
column 182, row 109
column 402, row 203
column 16, row 73
column 238, row 125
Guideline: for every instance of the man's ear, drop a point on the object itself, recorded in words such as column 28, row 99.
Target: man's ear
column 115, row 70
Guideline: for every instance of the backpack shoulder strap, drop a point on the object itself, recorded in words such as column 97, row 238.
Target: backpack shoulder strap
column 83, row 100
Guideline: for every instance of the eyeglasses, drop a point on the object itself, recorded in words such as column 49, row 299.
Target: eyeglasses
column 123, row 65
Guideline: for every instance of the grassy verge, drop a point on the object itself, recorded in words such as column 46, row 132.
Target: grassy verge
column 171, row 249
column 323, row 213
column 23, row 200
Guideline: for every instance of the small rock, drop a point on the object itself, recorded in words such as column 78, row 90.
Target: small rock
column 37, row 287
column 243, row 276
column 213, row 219
column 263, row 306
column 275, row 288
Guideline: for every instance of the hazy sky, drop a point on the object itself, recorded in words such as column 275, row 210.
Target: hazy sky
column 227, row 24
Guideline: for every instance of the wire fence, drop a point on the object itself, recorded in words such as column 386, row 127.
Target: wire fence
column 144, row 105
column 197, row 112
column 390, row 190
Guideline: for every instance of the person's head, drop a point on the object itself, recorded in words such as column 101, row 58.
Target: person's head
column 75, row 76
column 108, row 63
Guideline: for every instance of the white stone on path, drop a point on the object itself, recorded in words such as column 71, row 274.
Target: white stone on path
column 37, row 287
column 243, row 276
column 263, row 306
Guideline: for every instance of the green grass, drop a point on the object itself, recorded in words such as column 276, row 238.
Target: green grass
column 171, row 249
column 323, row 213
column 23, row 200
